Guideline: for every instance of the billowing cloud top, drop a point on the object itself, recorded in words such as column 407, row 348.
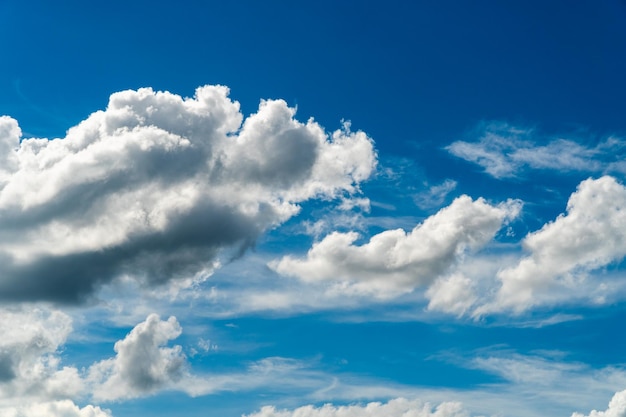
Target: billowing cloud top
column 399, row 407
column 155, row 185
column 617, row 407
column 589, row 236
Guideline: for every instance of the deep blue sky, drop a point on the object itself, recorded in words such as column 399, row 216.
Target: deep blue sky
column 416, row 76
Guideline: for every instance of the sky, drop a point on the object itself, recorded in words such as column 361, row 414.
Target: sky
column 312, row 209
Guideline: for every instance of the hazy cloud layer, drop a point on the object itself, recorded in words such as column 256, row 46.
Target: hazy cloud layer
column 399, row 407
column 154, row 186
column 504, row 151
column 395, row 261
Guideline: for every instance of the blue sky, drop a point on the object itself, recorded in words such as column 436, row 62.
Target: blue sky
column 290, row 209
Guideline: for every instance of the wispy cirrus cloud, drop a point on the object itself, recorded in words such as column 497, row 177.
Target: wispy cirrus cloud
column 506, row 151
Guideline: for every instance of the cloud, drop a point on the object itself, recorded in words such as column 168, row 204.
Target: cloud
column 435, row 195
column 591, row 235
column 504, row 151
column 64, row 408
column 29, row 362
column 453, row 294
column 395, row 261
column 399, row 407
column 143, row 364
column 536, row 383
column 155, row 186
column 617, row 407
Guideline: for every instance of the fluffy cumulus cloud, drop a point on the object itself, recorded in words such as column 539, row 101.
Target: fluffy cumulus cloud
column 64, row 408
column 143, row 363
column 156, row 185
column 617, row 408
column 504, row 151
column 592, row 234
column 395, row 261
column 399, row 407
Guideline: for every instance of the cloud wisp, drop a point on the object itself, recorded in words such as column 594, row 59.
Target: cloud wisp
column 506, row 151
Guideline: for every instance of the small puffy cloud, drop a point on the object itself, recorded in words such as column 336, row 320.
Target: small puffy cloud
column 591, row 235
column 143, row 363
column 399, row 407
column 617, row 408
column 395, row 261
column 504, row 151
column 153, row 187
column 64, row 408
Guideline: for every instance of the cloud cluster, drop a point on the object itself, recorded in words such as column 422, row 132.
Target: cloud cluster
column 399, row 407
column 591, row 235
column 32, row 381
column 156, row 185
column 504, row 151
column 395, row 261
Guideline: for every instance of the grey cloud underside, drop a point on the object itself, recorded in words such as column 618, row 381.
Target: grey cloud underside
column 186, row 247
column 155, row 186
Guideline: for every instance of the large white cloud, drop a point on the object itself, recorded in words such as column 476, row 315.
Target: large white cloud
column 617, row 408
column 395, row 261
column 155, row 185
column 592, row 234
column 399, row 407
column 143, row 364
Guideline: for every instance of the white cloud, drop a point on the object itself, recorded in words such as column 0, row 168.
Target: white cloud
column 64, row 408
column 504, row 151
column 591, row 235
column 30, row 368
column 9, row 138
column 156, row 185
column 395, row 261
column 453, row 294
column 547, row 379
column 399, row 407
column 143, row 364
column 617, row 408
